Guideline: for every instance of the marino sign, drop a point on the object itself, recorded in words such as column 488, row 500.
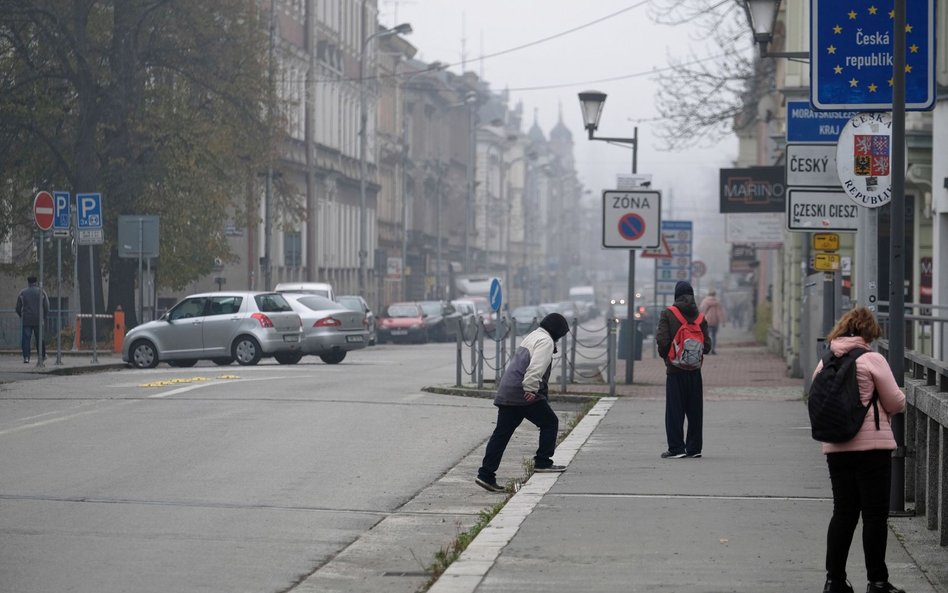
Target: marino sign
column 752, row 190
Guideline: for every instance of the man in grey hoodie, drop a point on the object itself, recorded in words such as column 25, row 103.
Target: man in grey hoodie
column 523, row 394
column 683, row 388
column 32, row 305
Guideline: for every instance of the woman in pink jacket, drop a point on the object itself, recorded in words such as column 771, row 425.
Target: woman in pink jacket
column 860, row 469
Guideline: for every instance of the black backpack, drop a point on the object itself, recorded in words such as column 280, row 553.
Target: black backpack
column 836, row 412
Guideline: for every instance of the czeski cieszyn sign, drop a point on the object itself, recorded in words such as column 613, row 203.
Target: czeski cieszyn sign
column 864, row 159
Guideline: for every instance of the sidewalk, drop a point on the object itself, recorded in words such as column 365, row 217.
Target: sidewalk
column 750, row 516
column 12, row 367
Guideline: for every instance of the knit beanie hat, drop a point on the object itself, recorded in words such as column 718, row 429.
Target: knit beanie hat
column 683, row 288
column 555, row 325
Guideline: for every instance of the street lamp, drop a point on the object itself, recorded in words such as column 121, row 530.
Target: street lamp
column 402, row 29
column 762, row 17
column 592, row 103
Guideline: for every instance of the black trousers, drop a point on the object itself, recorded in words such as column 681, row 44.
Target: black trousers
column 683, row 401
column 861, row 482
column 508, row 419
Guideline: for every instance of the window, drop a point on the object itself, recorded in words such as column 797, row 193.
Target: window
column 293, row 249
column 272, row 303
column 224, row 305
column 188, row 308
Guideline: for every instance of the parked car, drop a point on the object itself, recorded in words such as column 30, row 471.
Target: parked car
column 468, row 312
column 318, row 288
column 330, row 330
column 441, row 319
column 526, row 318
column 484, row 310
column 403, row 322
column 218, row 326
column 357, row 303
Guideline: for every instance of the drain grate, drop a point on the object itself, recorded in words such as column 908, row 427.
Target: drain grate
column 405, row 573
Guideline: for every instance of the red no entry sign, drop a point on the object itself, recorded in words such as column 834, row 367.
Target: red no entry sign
column 43, row 210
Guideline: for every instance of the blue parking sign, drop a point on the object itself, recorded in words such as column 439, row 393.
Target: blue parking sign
column 61, row 203
column 89, row 211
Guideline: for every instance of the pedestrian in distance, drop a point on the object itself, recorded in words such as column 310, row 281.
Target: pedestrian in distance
column 683, row 384
column 713, row 312
column 523, row 394
column 32, row 306
column 860, row 469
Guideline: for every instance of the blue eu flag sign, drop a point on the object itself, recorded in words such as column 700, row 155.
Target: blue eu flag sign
column 851, row 54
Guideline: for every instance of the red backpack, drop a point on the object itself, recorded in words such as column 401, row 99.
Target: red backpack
column 687, row 347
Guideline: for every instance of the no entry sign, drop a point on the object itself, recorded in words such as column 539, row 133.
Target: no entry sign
column 43, row 211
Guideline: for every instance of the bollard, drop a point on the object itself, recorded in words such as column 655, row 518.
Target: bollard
column 75, row 343
column 460, row 355
column 564, row 346
column 480, row 354
column 572, row 351
column 118, row 332
column 474, row 325
column 611, row 355
column 513, row 337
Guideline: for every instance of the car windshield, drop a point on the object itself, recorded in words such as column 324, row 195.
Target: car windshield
column 272, row 302
column 431, row 307
column 524, row 312
column 350, row 303
column 403, row 311
column 317, row 303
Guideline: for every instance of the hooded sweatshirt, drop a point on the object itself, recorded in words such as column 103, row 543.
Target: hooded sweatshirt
column 668, row 326
column 872, row 372
column 530, row 367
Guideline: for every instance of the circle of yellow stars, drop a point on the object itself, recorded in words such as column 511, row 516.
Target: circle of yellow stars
column 838, row 30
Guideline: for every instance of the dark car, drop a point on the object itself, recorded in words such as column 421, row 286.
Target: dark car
column 403, row 322
column 442, row 320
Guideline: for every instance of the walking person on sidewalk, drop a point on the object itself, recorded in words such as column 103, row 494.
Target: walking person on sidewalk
column 860, row 469
column 522, row 394
column 32, row 306
column 714, row 313
column 683, row 387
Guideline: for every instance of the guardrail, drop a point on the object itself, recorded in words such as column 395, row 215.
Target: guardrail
column 924, row 331
column 926, row 438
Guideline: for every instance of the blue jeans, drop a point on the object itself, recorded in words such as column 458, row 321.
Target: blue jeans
column 26, row 341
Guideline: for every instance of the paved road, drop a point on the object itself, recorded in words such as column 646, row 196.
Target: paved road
column 226, row 479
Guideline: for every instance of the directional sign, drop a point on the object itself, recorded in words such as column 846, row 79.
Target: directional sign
column 61, row 218
column 43, row 210
column 820, row 210
column 496, row 294
column 89, row 209
column 811, row 165
column 851, row 54
column 631, row 219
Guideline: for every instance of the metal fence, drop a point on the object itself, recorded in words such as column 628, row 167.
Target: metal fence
column 59, row 320
column 926, row 438
column 925, row 327
column 586, row 354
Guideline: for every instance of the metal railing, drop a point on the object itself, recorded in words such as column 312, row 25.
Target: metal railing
column 479, row 347
column 925, row 327
column 926, row 438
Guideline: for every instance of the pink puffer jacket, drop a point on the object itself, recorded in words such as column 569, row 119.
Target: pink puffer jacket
column 872, row 369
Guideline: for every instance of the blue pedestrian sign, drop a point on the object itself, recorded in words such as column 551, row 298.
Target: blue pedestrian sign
column 89, row 210
column 496, row 295
column 851, row 55
column 61, row 212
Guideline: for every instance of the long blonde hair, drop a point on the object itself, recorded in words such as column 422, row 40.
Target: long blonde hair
column 858, row 322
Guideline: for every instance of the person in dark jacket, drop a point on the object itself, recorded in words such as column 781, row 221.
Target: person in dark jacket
column 683, row 388
column 523, row 394
column 32, row 306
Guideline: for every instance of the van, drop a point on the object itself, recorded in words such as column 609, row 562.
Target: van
column 318, row 288
column 585, row 299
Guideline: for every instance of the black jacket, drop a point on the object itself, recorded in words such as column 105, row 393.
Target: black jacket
column 668, row 326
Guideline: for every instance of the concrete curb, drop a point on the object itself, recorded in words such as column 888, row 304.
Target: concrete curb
column 573, row 397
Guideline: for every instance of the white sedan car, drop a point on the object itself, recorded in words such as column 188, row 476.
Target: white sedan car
column 330, row 330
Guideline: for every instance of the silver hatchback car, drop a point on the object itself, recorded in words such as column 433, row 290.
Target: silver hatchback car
column 329, row 329
column 218, row 326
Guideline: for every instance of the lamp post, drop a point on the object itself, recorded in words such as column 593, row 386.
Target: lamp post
column 401, row 29
column 762, row 17
column 592, row 103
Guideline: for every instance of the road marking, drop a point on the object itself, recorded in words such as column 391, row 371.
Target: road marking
column 466, row 573
column 696, row 497
column 45, row 422
column 207, row 383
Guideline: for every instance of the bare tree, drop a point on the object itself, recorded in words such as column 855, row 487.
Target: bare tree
column 704, row 98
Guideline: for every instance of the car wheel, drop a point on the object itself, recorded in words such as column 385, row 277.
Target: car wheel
column 333, row 357
column 182, row 363
column 246, row 351
column 288, row 357
column 144, row 355
column 222, row 361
